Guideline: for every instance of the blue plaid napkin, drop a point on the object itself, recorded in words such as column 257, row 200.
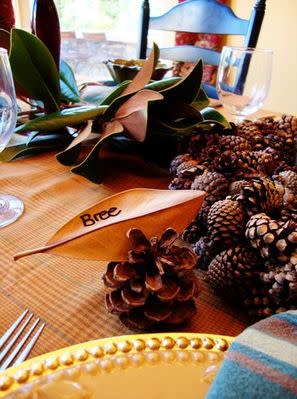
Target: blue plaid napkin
column 261, row 362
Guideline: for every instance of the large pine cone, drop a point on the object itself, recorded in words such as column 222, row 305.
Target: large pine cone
column 262, row 195
column 276, row 240
column 265, row 161
column 156, row 285
column 234, row 270
column 225, row 221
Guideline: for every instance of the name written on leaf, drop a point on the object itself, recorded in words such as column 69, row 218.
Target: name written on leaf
column 89, row 220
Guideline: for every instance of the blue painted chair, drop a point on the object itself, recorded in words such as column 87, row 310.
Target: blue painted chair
column 201, row 16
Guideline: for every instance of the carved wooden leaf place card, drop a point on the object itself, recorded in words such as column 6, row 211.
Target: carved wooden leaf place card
column 100, row 231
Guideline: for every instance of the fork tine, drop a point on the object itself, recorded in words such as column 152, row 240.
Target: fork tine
column 13, row 354
column 15, row 337
column 11, row 329
column 23, row 355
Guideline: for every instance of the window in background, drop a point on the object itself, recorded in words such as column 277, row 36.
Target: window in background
column 97, row 30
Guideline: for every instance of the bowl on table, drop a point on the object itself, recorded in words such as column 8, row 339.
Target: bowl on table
column 122, row 70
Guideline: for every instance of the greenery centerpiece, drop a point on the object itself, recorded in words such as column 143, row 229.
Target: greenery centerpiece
column 151, row 117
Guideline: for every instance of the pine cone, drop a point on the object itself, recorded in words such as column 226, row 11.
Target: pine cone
column 288, row 179
column 216, row 187
column 265, row 161
column 235, row 144
column 225, row 220
column 288, row 214
column 252, row 133
column 214, row 184
column 234, row 270
column 156, row 285
column 281, row 135
column 180, row 183
column 281, row 283
column 206, row 251
column 258, row 303
column 236, row 187
column 226, row 163
column 177, row 161
column 194, row 231
column 276, row 240
column 262, row 195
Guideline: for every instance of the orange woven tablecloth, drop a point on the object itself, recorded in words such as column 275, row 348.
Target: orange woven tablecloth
column 68, row 293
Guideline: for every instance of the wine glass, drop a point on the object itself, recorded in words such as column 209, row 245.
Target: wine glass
column 243, row 79
column 10, row 207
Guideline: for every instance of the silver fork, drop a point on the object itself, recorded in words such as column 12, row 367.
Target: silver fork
column 22, row 349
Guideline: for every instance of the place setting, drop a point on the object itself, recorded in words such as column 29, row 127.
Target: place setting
column 148, row 229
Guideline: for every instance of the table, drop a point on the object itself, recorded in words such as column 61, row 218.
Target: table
column 69, row 293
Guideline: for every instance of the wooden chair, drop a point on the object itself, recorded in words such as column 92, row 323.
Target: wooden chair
column 201, row 16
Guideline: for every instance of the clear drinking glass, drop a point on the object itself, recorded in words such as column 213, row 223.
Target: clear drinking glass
column 10, row 207
column 243, row 79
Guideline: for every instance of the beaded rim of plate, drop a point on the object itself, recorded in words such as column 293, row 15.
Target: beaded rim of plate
column 103, row 349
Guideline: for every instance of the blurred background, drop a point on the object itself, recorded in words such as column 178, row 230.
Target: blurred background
column 97, row 30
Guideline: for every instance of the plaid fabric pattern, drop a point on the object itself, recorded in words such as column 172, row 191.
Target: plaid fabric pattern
column 68, row 293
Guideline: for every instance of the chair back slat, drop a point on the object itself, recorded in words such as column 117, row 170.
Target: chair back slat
column 190, row 54
column 203, row 16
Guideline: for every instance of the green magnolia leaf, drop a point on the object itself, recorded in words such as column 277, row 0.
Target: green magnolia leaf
column 201, row 101
column 60, row 119
column 159, row 85
column 212, row 115
column 185, row 117
column 115, row 93
column 68, row 86
column 34, row 68
column 186, row 89
column 40, row 144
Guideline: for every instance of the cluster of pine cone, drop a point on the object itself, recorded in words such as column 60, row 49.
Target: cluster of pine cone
column 245, row 234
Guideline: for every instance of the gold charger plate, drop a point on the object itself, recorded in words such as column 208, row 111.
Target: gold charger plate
column 168, row 365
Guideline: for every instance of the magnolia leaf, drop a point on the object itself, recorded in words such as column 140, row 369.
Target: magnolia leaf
column 145, row 73
column 178, row 115
column 115, row 93
column 201, row 101
column 37, row 145
column 186, row 89
column 34, row 68
column 212, row 115
column 66, row 117
column 135, row 124
column 69, row 89
column 89, row 166
column 100, row 232
column 137, row 102
column 82, row 135
column 165, row 83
